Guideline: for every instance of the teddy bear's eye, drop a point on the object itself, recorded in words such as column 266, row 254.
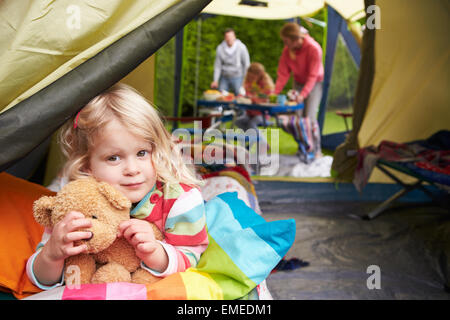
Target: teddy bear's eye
column 94, row 217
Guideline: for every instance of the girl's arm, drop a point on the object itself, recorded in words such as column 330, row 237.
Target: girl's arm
column 185, row 233
column 185, row 236
column 46, row 265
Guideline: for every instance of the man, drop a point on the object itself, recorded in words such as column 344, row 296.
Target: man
column 230, row 66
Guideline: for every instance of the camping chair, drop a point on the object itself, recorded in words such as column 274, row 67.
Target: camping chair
column 344, row 116
column 423, row 176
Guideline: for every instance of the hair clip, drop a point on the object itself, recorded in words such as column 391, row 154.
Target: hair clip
column 75, row 123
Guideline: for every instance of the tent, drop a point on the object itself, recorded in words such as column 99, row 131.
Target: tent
column 68, row 62
column 390, row 59
column 398, row 98
column 87, row 50
column 401, row 94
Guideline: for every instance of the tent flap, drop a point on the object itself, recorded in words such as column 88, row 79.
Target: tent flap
column 31, row 121
column 344, row 159
column 402, row 93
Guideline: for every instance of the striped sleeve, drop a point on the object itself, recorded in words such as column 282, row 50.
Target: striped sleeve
column 185, row 229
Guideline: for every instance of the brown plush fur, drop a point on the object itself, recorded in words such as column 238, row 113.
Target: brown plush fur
column 108, row 259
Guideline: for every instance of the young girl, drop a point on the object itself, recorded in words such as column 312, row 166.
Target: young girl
column 258, row 81
column 119, row 138
column 257, row 84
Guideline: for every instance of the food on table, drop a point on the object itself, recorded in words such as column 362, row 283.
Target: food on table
column 292, row 95
column 212, row 95
column 243, row 100
column 229, row 97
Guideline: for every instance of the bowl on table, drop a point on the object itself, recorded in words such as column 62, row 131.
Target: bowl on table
column 212, row 95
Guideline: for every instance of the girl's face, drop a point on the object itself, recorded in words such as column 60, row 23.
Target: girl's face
column 253, row 77
column 123, row 160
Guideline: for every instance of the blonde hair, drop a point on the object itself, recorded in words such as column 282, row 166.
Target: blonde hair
column 292, row 31
column 256, row 68
column 125, row 104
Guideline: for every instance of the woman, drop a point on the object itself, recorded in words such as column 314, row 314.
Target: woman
column 302, row 56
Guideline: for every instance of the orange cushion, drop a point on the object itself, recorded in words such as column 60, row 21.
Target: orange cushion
column 19, row 232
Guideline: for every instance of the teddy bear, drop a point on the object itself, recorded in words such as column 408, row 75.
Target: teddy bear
column 108, row 258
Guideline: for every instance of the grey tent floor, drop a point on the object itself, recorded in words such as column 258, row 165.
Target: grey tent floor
column 410, row 245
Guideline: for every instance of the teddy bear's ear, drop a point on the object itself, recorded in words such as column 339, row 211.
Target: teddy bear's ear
column 116, row 198
column 42, row 210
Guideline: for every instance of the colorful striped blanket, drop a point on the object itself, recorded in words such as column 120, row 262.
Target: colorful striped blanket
column 243, row 249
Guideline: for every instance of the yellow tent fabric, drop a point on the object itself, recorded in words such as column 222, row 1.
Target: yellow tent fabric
column 409, row 98
column 275, row 9
column 34, row 58
column 350, row 10
column 141, row 78
column 43, row 40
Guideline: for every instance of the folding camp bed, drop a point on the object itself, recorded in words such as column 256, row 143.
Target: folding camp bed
column 424, row 176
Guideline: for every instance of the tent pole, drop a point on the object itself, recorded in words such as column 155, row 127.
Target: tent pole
column 351, row 43
column 197, row 62
column 324, row 37
column 334, row 22
column 178, row 76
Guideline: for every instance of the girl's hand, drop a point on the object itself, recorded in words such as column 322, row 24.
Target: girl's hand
column 139, row 234
column 64, row 233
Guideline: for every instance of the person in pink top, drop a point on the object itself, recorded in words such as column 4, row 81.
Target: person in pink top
column 301, row 56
